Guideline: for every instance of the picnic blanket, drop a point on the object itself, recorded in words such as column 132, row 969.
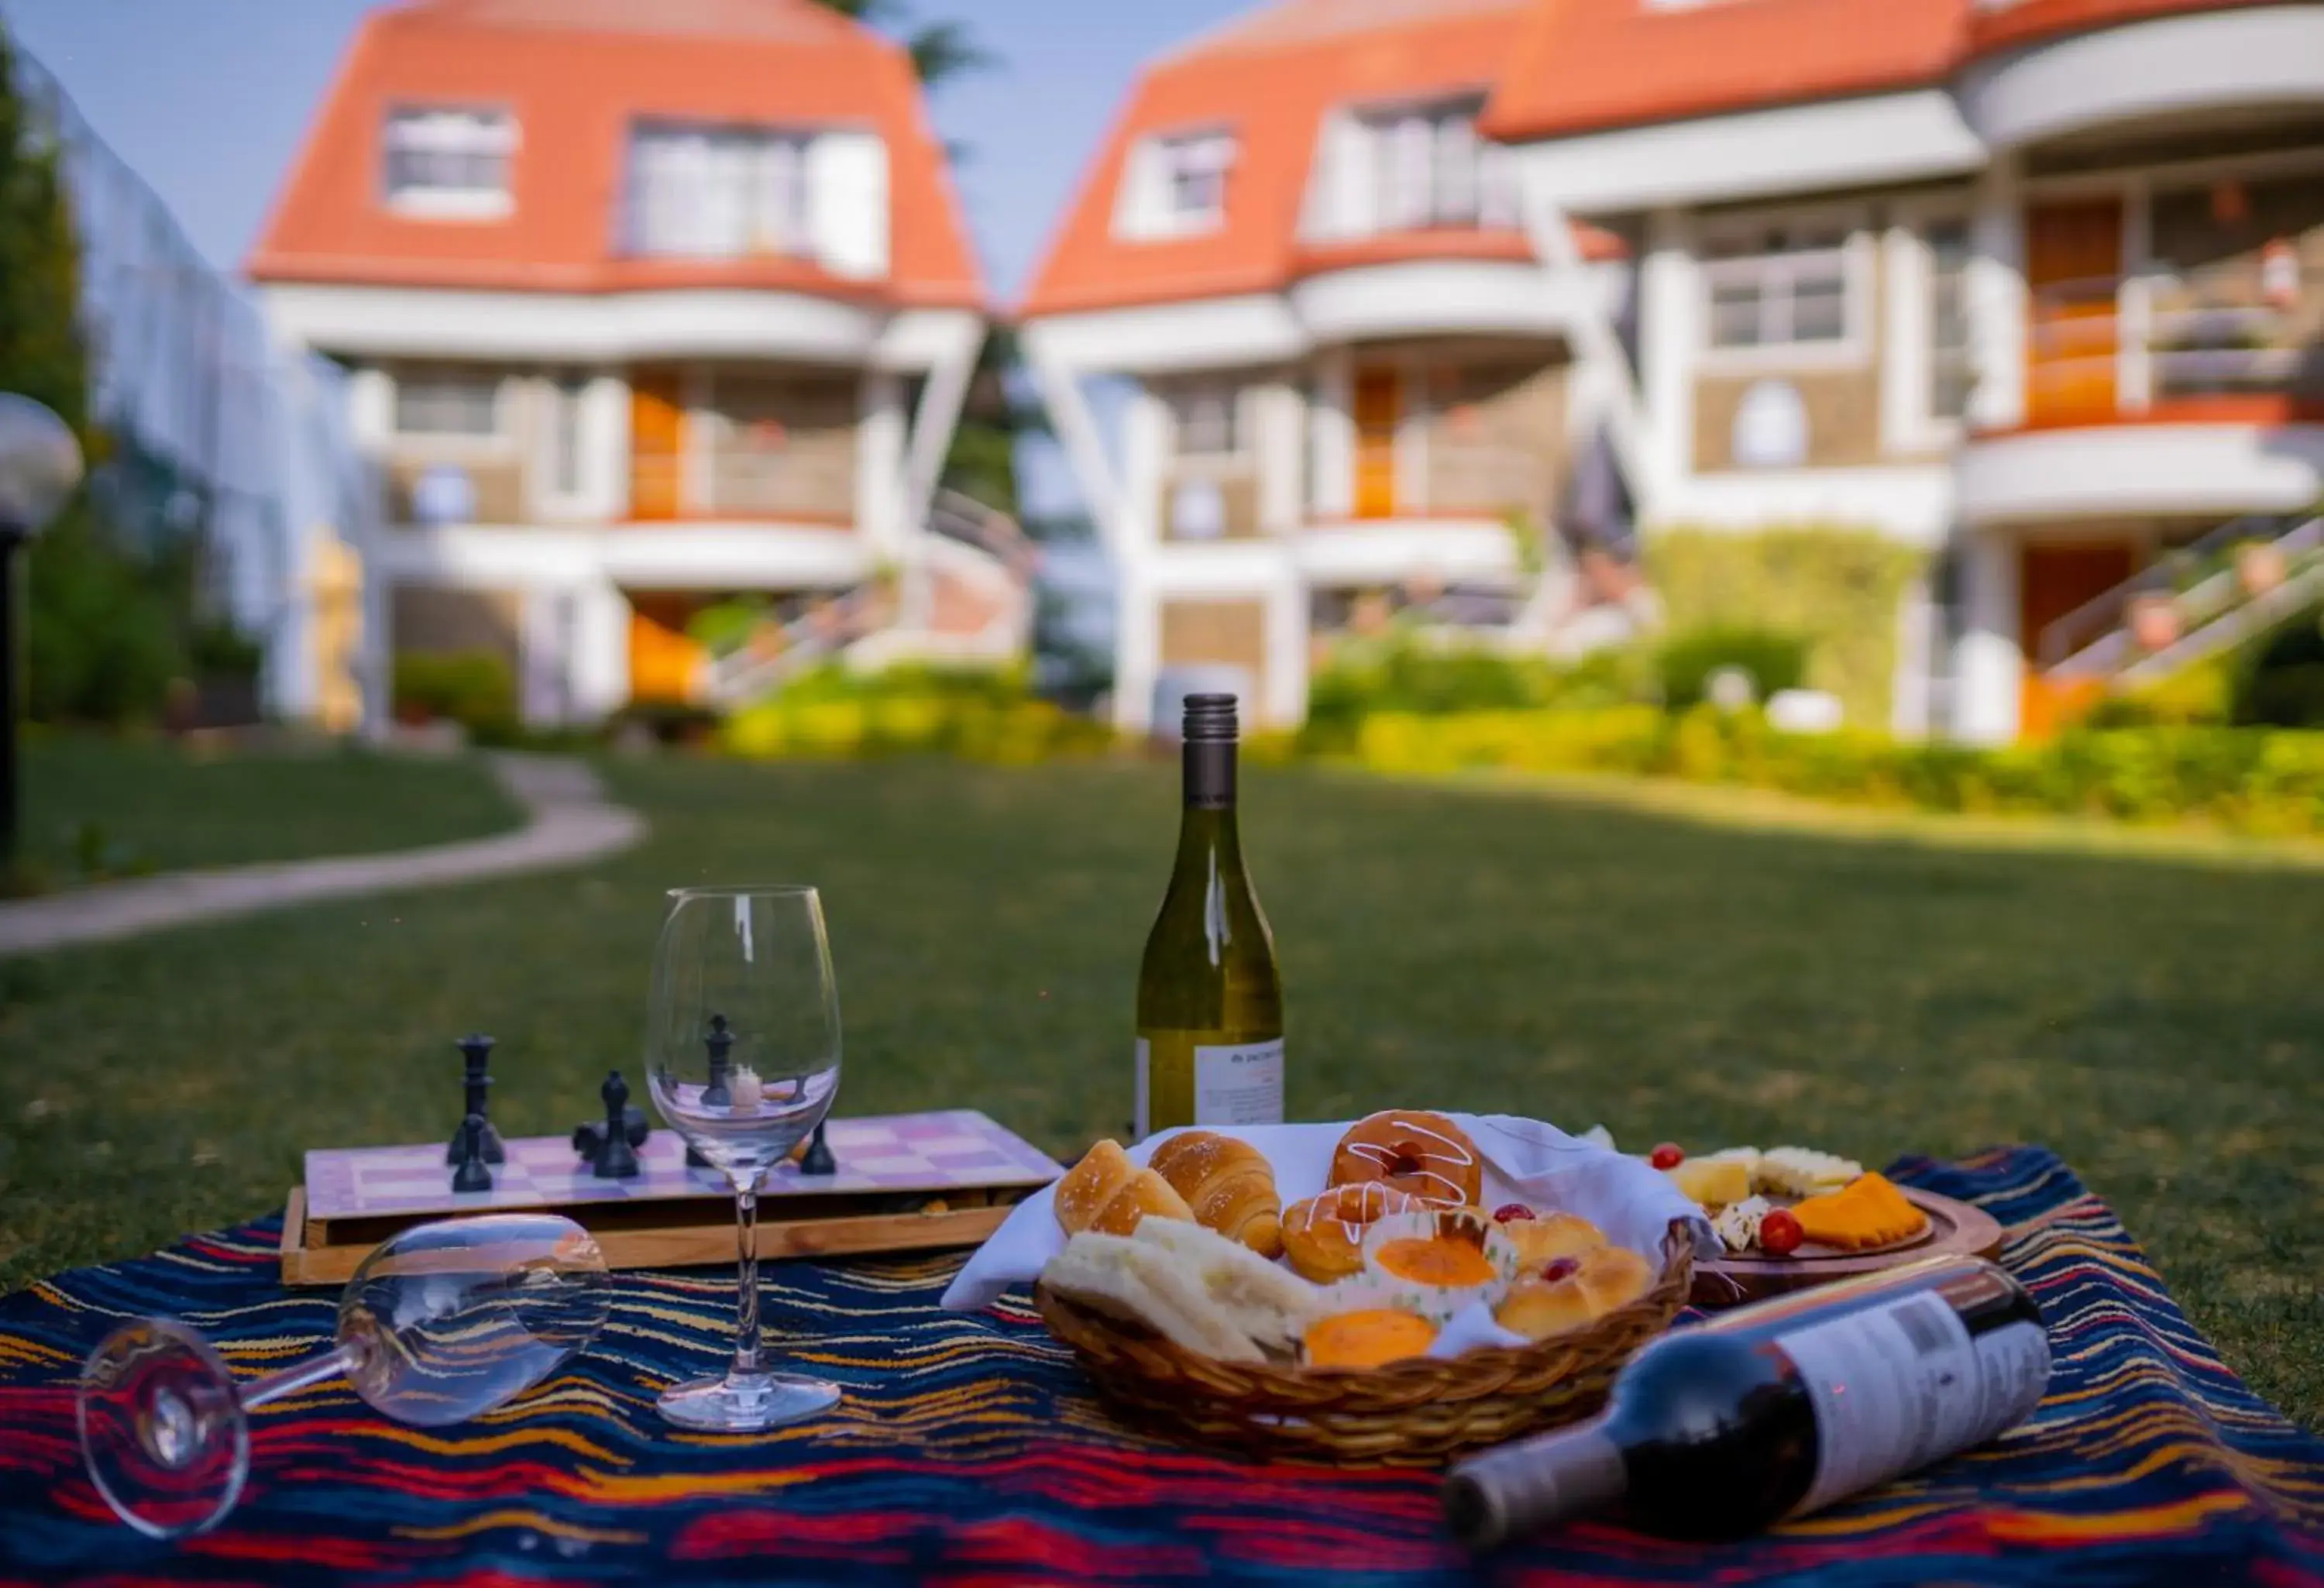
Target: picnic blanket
column 971, row 1450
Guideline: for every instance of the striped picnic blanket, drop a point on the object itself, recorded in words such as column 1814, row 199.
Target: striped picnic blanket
column 971, row 1450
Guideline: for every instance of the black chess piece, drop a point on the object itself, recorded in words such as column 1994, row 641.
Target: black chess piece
column 589, row 1136
column 720, row 1043
column 477, row 1051
column 818, row 1159
column 617, row 1159
column 472, row 1175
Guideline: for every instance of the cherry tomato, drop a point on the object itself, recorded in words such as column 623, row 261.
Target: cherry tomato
column 1668, row 1156
column 1557, row 1268
column 1511, row 1209
column 1779, row 1232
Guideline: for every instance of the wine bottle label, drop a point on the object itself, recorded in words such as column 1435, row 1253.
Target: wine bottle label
column 1898, row 1386
column 1185, row 1082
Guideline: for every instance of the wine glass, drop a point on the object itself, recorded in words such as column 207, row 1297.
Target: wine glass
column 743, row 1055
column 440, row 1324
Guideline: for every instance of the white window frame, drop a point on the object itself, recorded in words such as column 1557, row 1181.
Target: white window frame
column 1180, row 397
column 1146, row 207
column 780, row 161
column 498, row 439
column 565, row 413
column 1857, row 254
column 1908, row 423
column 486, row 130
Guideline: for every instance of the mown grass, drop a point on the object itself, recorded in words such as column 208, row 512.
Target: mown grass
column 156, row 804
column 2159, row 1022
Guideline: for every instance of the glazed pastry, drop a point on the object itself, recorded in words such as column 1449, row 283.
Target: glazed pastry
column 1264, row 1303
column 1422, row 1155
column 1228, row 1184
column 1145, row 1284
column 1324, row 1236
column 1601, row 1281
column 1544, row 1240
column 1107, row 1193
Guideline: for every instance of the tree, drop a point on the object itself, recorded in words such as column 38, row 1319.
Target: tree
column 940, row 51
column 42, row 353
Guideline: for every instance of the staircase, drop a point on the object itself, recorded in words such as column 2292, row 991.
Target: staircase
column 2093, row 645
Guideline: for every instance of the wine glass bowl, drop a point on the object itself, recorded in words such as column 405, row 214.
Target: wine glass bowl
column 743, row 1055
column 442, row 1322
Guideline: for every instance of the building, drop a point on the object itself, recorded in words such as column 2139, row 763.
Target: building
column 647, row 310
column 2037, row 288
column 1348, row 381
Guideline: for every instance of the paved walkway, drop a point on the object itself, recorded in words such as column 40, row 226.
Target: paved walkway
column 570, row 822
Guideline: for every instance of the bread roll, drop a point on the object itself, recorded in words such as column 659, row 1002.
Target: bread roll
column 1228, row 1183
column 1107, row 1193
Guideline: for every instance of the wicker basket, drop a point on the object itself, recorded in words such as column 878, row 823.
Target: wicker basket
column 1408, row 1413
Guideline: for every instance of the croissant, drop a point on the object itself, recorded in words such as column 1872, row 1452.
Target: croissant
column 1107, row 1193
column 1228, row 1184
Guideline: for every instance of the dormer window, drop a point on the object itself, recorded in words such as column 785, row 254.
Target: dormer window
column 447, row 163
column 698, row 191
column 1175, row 186
column 1409, row 167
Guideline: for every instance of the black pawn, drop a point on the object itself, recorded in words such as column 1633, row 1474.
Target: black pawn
column 818, row 1159
column 616, row 1158
column 477, row 1051
column 472, row 1175
column 719, row 1044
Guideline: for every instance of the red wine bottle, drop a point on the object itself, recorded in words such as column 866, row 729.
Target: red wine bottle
column 1779, row 1409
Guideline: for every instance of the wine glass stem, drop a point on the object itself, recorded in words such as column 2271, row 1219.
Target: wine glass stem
column 298, row 1376
column 746, row 1274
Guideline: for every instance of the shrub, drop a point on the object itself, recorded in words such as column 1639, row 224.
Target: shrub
column 1773, row 660
column 1410, row 675
column 984, row 713
column 475, row 688
column 221, row 650
column 2282, row 681
column 103, row 632
column 2200, row 696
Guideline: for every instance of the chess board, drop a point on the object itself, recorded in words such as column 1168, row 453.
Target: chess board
column 903, row 1182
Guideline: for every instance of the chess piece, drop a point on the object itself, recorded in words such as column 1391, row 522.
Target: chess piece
column 719, row 1044
column 617, row 1159
column 589, row 1136
column 818, row 1159
column 477, row 1051
column 472, row 1175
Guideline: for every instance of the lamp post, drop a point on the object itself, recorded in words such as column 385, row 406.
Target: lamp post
column 40, row 467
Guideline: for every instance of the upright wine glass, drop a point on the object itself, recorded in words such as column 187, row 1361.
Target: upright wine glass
column 743, row 1055
column 441, row 1324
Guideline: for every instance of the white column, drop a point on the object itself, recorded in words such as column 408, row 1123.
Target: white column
column 599, row 665
column 1908, row 694
column 2135, row 300
column 941, row 397
column 1996, row 293
column 1597, row 295
column 1988, row 659
column 605, row 449
column 1145, row 449
column 371, row 409
column 1137, row 643
column 1332, row 436
column 1670, row 335
column 547, row 641
column 1285, row 690
column 1279, row 441
column 1059, row 383
column 1138, row 619
column 1411, row 435
column 879, row 446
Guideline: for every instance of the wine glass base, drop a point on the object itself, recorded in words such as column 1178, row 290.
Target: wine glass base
column 163, row 1430
column 745, row 1403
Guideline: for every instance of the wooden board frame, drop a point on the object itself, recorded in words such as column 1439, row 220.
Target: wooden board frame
column 1740, row 1277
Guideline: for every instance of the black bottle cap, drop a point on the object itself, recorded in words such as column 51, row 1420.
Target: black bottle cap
column 1211, row 719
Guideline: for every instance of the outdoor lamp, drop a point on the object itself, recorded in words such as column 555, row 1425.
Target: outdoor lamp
column 40, row 467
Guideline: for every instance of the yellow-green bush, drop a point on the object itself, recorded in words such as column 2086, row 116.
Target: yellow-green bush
column 2248, row 780
column 979, row 716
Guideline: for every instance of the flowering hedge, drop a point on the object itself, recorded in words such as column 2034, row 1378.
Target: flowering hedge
column 2253, row 780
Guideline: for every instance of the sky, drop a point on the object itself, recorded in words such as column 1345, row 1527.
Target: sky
column 208, row 98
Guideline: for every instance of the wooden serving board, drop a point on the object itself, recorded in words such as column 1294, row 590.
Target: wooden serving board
column 904, row 1182
column 1953, row 1227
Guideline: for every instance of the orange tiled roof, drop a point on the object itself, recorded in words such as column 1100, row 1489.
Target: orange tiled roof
column 1582, row 65
column 574, row 73
column 1270, row 78
column 2030, row 20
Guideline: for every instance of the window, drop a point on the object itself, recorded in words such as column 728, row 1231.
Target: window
column 708, row 192
column 1175, row 187
column 565, row 435
column 447, row 404
column 1205, row 421
column 1780, row 287
column 1430, row 169
column 449, row 163
column 1950, row 375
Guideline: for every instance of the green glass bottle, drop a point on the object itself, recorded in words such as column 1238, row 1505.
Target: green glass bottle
column 1209, row 1001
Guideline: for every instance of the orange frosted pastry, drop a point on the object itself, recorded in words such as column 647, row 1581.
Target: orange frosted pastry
column 1868, row 1212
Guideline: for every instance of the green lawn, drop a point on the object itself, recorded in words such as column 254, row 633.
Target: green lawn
column 171, row 807
column 2159, row 1021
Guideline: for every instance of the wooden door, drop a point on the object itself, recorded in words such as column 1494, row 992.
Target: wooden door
column 2051, row 582
column 657, row 446
column 2073, row 275
column 665, row 661
column 1379, row 407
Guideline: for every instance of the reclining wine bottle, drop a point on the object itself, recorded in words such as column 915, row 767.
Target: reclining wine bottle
column 1779, row 1409
column 1209, row 1003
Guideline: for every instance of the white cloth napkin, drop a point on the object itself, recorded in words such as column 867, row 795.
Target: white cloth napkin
column 1525, row 1161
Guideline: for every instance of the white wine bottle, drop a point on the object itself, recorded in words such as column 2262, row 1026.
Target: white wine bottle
column 1210, row 1002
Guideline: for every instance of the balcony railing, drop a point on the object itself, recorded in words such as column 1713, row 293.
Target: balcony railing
column 743, row 486
column 2122, row 346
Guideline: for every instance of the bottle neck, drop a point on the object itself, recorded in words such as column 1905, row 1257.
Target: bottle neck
column 1209, row 776
column 1535, row 1484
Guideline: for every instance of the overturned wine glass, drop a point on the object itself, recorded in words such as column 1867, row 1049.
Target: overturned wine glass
column 443, row 1323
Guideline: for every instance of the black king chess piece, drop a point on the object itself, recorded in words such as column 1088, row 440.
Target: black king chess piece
column 594, row 1140
column 477, row 1051
column 617, row 1139
column 817, row 1159
column 719, row 1044
column 472, row 1175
